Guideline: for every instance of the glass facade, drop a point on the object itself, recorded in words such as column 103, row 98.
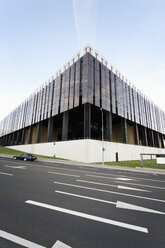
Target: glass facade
column 113, row 92
column 128, row 105
column 63, row 91
column 71, row 86
column 77, row 84
column 56, row 96
column 124, row 99
column 86, row 81
column 105, row 91
column 97, row 83
column 119, row 96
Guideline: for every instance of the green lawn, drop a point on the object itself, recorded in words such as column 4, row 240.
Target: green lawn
column 5, row 150
column 137, row 163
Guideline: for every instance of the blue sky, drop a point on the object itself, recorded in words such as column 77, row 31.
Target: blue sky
column 37, row 37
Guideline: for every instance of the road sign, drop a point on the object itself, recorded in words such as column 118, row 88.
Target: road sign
column 103, row 149
column 54, row 143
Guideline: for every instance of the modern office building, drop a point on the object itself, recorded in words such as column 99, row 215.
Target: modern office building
column 82, row 105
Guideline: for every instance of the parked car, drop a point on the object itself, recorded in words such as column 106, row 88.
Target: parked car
column 25, row 157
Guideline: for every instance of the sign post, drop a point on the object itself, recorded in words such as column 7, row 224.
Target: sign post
column 103, row 149
column 54, row 143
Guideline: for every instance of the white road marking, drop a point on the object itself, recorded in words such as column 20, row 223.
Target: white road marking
column 124, row 179
column 131, row 178
column 124, row 187
column 91, row 168
column 143, row 185
column 15, row 167
column 99, row 173
column 60, row 244
column 137, row 208
column 70, row 175
column 7, row 174
column 114, row 178
column 19, row 240
column 10, row 162
column 90, row 182
column 112, row 185
column 118, row 204
column 110, row 192
column 90, row 217
column 85, row 197
column 85, row 171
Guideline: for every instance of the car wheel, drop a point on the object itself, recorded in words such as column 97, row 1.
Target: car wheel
column 25, row 159
column 15, row 158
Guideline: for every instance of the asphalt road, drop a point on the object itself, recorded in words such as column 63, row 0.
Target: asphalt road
column 51, row 205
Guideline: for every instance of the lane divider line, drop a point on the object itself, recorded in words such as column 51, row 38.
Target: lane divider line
column 6, row 174
column 110, row 192
column 15, row 167
column 18, row 240
column 85, row 197
column 129, row 188
column 63, row 174
column 112, row 185
column 116, row 177
column 124, row 179
column 88, row 216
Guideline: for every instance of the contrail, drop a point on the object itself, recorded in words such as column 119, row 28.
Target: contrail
column 85, row 16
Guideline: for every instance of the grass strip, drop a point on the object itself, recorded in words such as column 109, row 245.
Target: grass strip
column 137, row 163
column 8, row 151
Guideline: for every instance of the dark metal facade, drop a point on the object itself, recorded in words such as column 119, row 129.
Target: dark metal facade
column 86, row 81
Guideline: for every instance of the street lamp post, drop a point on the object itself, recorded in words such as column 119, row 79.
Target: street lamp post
column 102, row 121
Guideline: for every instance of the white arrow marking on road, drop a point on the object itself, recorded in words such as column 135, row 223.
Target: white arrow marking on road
column 129, row 188
column 112, row 185
column 90, row 217
column 141, row 185
column 110, row 192
column 6, row 174
column 19, row 240
column 118, row 204
column 60, row 244
column 15, row 167
column 124, row 205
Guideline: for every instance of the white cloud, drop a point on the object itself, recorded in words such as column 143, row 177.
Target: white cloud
column 85, row 16
column 161, row 64
column 153, row 85
column 7, row 105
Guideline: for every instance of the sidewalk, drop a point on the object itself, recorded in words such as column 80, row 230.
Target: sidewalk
column 111, row 167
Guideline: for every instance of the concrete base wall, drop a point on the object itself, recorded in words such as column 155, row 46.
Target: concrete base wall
column 88, row 150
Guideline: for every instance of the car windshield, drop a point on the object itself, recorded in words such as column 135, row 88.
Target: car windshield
column 26, row 155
